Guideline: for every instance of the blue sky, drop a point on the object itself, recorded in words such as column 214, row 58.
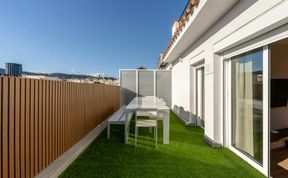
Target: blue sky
column 85, row 36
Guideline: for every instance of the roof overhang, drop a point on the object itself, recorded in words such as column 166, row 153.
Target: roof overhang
column 204, row 16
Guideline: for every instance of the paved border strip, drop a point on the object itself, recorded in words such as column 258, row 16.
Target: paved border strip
column 61, row 164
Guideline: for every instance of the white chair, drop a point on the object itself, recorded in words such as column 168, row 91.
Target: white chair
column 149, row 114
column 148, row 123
column 152, row 114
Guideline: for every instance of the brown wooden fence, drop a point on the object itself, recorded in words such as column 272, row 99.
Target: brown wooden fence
column 40, row 120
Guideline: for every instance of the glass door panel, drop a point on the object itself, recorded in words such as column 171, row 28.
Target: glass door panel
column 247, row 104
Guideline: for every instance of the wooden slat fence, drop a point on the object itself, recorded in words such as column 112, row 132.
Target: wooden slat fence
column 42, row 119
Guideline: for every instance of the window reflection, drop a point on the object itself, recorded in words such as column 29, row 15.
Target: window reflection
column 247, row 104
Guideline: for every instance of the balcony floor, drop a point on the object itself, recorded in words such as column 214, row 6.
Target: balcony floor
column 187, row 156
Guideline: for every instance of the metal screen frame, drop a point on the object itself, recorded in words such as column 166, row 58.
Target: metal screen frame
column 123, row 98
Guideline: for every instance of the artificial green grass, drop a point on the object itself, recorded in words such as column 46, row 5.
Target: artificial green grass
column 187, row 155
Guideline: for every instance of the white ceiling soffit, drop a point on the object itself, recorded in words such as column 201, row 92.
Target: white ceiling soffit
column 271, row 19
column 206, row 14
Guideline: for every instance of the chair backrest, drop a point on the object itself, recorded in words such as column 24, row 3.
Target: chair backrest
column 145, row 113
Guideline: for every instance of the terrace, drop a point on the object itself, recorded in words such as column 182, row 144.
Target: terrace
column 45, row 125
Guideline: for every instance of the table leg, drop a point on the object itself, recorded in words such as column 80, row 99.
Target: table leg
column 166, row 127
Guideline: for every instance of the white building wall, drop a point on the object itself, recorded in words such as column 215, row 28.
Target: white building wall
column 220, row 37
column 180, row 88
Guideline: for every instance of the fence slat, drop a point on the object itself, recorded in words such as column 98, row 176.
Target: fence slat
column 36, row 129
column 12, row 127
column 5, row 117
column 17, row 127
column 53, row 113
column 40, row 129
column 22, row 128
column 32, row 117
column 50, row 118
column 27, row 129
column 46, row 123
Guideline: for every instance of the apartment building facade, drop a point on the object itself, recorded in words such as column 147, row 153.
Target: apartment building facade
column 224, row 56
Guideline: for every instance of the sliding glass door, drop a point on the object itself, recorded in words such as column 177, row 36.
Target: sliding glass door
column 247, row 104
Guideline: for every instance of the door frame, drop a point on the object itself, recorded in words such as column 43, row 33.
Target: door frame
column 195, row 64
column 227, row 109
column 201, row 68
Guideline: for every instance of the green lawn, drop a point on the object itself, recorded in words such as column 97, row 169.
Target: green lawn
column 187, row 156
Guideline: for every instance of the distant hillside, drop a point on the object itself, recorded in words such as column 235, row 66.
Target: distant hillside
column 64, row 76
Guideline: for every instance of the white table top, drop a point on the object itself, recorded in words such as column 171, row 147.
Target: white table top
column 147, row 103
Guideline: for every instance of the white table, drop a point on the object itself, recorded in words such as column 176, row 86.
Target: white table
column 148, row 103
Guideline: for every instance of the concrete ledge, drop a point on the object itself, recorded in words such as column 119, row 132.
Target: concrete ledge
column 61, row 164
column 212, row 143
column 206, row 138
column 184, row 121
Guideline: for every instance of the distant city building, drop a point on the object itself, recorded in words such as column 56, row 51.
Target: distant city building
column 41, row 77
column 13, row 69
column 2, row 71
column 141, row 68
column 99, row 75
column 75, row 80
column 95, row 81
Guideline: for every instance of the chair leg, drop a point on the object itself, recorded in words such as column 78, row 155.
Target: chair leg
column 150, row 129
column 108, row 131
column 136, row 135
column 156, row 136
column 128, row 129
column 154, row 133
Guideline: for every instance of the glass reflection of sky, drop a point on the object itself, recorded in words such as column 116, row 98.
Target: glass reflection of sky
column 256, row 57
